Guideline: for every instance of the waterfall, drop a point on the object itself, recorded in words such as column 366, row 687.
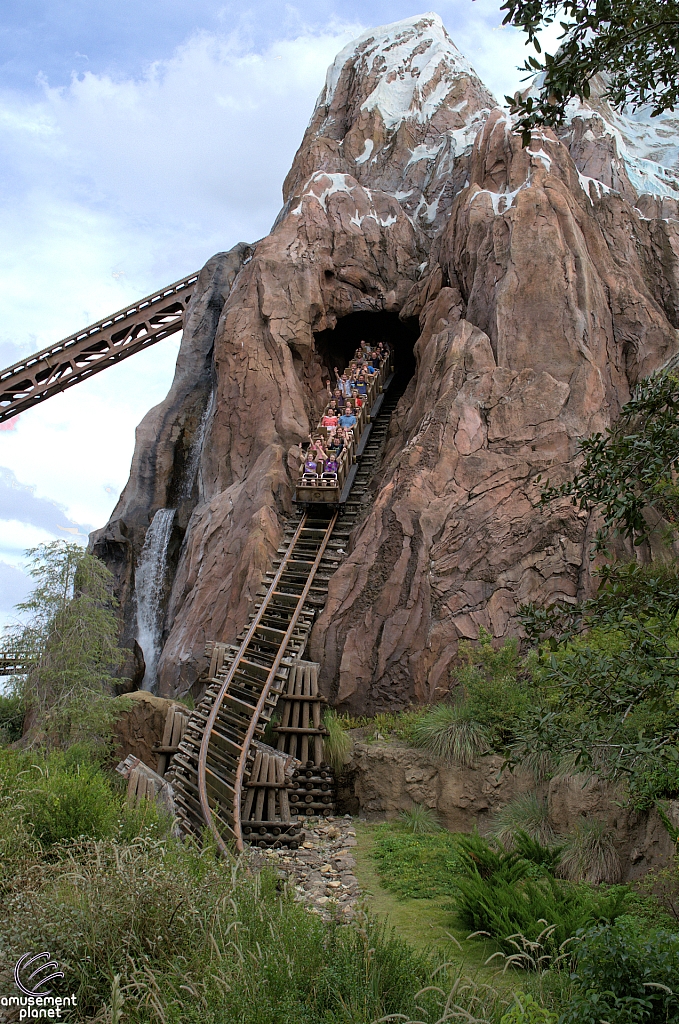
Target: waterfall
column 148, row 588
column 196, row 449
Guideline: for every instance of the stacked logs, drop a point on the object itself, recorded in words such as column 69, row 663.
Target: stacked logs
column 300, row 735
column 266, row 810
column 293, row 780
column 313, row 790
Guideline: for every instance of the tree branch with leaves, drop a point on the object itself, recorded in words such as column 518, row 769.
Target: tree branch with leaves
column 634, row 43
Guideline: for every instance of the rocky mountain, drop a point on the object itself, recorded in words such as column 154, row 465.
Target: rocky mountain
column 537, row 286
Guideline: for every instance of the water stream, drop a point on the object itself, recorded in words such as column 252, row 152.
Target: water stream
column 196, row 450
column 148, row 589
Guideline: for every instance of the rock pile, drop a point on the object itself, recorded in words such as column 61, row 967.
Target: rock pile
column 321, row 870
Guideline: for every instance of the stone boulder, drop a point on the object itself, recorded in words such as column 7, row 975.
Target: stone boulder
column 140, row 725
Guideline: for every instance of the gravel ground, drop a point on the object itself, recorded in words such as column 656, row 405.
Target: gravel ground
column 322, row 869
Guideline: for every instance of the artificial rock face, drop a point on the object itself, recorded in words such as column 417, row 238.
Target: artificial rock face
column 546, row 282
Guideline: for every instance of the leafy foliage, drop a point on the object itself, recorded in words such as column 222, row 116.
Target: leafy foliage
column 63, row 804
column 72, row 639
column 12, row 712
column 634, row 42
column 505, row 894
column 625, row 977
column 609, row 679
column 494, row 686
column 526, row 1010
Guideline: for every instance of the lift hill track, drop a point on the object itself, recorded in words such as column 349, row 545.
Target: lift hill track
column 94, row 348
column 222, row 774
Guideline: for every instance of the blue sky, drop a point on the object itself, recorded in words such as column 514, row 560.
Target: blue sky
column 137, row 138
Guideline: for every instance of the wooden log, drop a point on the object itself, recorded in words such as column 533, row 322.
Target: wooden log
column 271, row 792
column 261, row 793
column 254, row 776
column 283, row 802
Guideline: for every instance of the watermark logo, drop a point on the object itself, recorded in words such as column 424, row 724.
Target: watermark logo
column 37, row 980
column 32, row 975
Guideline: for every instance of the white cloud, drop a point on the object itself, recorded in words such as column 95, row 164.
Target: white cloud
column 16, row 537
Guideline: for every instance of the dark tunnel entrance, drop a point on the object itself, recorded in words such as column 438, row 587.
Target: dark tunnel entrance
column 337, row 347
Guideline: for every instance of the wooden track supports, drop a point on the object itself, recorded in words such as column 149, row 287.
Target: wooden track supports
column 300, row 732
column 175, row 727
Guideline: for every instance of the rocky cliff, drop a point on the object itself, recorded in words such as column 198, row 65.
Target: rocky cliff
column 540, row 284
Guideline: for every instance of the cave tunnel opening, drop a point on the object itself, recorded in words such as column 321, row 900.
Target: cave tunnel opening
column 336, row 347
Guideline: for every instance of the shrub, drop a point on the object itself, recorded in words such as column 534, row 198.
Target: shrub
column 64, row 804
column 71, row 640
column 493, row 695
column 12, row 711
column 420, row 818
column 504, row 894
column 526, row 1010
column 448, row 731
column 589, row 853
column 624, row 977
column 526, row 813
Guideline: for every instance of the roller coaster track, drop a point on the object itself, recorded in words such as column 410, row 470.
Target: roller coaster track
column 13, row 663
column 102, row 344
column 218, row 756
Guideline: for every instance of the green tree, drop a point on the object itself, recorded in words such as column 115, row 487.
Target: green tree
column 71, row 637
column 635, row 42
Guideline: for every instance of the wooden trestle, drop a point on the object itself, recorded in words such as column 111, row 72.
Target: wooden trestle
column 217, row 757
column 223, row 774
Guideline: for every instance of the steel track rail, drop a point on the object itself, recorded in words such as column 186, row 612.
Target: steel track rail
column 94, row 348
column 267, row 684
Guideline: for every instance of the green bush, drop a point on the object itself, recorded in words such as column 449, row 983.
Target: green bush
column 67, row 803
column 12, row 711
column 505, row 894
column 527, row 1011
column 495, row 694
column 625, row 977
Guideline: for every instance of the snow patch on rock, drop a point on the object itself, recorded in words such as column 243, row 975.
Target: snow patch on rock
column 367, row 152
column 648, row 146
column 415, row 63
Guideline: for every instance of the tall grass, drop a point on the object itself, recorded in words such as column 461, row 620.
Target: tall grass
column 167, row 931
column 589, row 853
column 526, row 813
column 337, row 742
column 420, row 819
column 448, row 731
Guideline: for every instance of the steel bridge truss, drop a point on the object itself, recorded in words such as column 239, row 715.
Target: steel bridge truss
column 92, row 349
